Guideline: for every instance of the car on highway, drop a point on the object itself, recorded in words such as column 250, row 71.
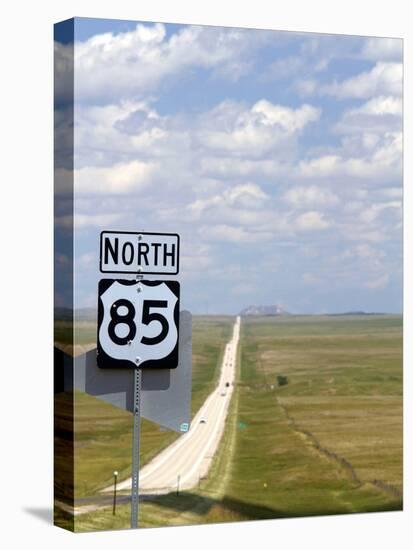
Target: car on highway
column 202, row 420
column 223, row 393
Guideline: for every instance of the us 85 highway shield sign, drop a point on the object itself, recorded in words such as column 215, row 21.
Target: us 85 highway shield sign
column 138, row 324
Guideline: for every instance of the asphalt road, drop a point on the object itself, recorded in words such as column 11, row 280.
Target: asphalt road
column 188, row 459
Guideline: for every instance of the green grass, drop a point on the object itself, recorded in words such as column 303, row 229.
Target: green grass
column 327, row 442
column 202, row 505
column 330, row 441
column 103, row 433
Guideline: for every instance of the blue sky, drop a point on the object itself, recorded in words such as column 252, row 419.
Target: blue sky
column 277, row 157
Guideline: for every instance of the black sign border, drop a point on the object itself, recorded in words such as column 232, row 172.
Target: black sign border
column 141, row 271
column 104, row 361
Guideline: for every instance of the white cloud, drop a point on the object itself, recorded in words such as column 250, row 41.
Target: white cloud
column 383, row 49
column 365, row 250
column 225, row 167
column 126, row 127
column 378, row 283
column 306, row 86
column 285, row 67
column 119, row 178
column 378, row 157
column 311, row 221
column 132, row 63
column 243, row 205
column 372, row 223
column 364, row 257
column 262, row 136
column 229, row 207
column 382, row 106
column 291, row 120
column 95, row 220
column 384, row 78
column 248, row 195
column 374, row 210
column 237, row 178
column 391, row 192
column 310, row 279
column 379, row 115
column 233, row 128
column 323, row 166
column 310, row 195
column 196, row 257
column 231, row 233
column 89, row 259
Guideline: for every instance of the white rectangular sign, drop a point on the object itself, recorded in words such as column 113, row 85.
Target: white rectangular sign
column 134, row 252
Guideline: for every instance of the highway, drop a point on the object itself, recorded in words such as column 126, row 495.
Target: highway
column 188, row 459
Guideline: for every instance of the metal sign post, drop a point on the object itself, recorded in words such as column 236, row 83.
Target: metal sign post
column 138, row 321
column 137, row 385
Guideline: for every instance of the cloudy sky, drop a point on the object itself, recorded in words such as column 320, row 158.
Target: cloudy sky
column 276, row 156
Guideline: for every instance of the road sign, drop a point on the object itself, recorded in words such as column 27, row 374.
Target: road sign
column 138, row 324
column 166, row 394
column 134, row 252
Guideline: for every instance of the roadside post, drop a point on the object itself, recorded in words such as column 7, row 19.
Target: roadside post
column 115, row 481
column 138, row 319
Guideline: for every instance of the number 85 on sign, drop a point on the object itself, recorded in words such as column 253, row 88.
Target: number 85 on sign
column 138, row 324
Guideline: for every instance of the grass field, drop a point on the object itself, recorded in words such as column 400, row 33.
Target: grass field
column 103, row 433
column 327, row 440
column 330, row 440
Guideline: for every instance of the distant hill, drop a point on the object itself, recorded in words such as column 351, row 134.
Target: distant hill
column 271, row 310
column 354, row 313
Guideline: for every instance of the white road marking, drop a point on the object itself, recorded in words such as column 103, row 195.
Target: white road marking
column 185, row 457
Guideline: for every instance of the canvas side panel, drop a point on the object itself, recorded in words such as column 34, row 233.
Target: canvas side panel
column 63, row 275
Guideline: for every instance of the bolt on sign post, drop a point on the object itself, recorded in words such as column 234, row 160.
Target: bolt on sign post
column 138, row 319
